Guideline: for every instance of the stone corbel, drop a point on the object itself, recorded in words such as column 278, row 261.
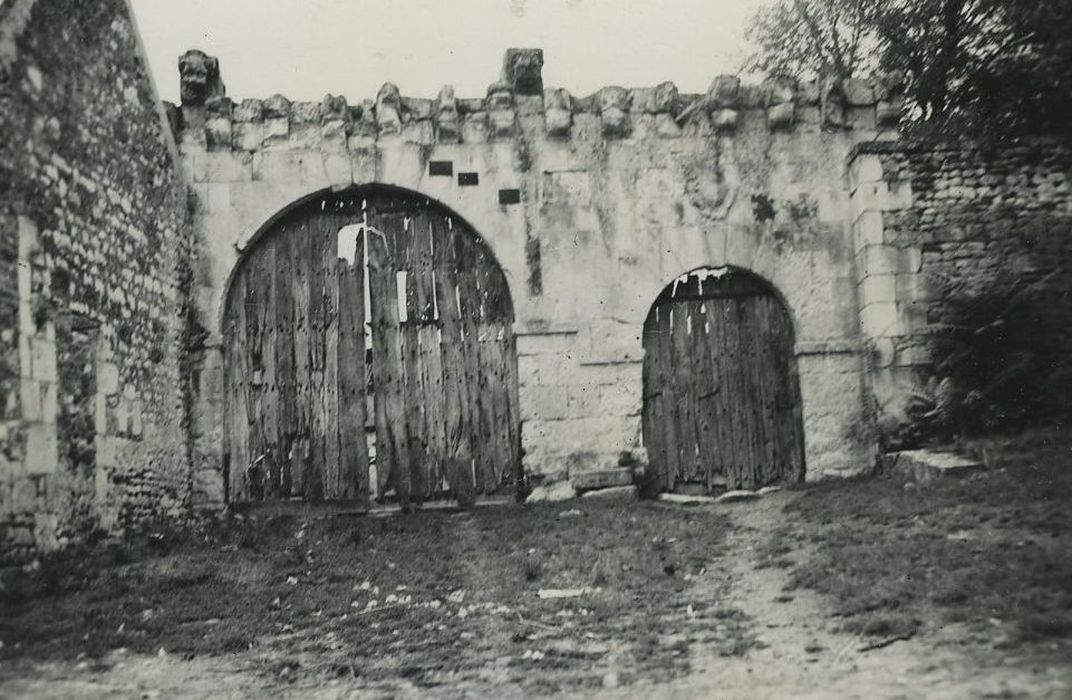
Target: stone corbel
column 614, row 110
column 501, row 115
column 447, row 120
column 388, row 110
column 557, row 111
column 781, row 109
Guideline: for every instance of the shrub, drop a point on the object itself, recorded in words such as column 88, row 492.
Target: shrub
column 994, row 366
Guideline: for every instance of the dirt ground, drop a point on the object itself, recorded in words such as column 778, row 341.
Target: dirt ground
column 749, row 600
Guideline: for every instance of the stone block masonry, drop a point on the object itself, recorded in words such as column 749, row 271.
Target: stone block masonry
column 122, row 221
column 93, row 245
column 591, row 205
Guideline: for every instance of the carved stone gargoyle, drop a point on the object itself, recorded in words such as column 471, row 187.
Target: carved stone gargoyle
column 199, row 78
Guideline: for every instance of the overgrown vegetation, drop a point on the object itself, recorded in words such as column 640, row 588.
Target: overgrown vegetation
column 990, row 552
column 971, row 66
column 432, row 597
column 991, row 369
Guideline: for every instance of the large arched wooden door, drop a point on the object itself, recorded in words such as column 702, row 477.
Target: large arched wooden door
column 369, row 354
column 721, row 392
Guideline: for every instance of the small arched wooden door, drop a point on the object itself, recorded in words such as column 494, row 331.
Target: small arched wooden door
column 381, row 370
column 721, row 392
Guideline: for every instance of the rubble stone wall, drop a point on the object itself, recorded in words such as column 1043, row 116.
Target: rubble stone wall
column 936, row 222
column 93, row 247
column 592, row 206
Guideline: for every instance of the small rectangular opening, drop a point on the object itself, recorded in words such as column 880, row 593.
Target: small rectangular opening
column 468, row 179
column 441, row 167
column 509, row 196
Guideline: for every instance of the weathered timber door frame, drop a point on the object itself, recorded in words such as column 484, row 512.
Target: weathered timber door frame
column 722, row 403
column 443, row 369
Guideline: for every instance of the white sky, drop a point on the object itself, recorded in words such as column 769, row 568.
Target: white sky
column 307, row 48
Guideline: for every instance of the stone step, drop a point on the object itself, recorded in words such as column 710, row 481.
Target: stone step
column 925, row 465
column 624, row 493
column 601, row 478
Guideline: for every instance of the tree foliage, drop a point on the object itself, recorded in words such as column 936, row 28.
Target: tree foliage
column 970, row 65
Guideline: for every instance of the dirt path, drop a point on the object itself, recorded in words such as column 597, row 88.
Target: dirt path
column 799, row 651
column 802, row 654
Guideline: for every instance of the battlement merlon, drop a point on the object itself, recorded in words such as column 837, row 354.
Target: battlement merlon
column 518, row 102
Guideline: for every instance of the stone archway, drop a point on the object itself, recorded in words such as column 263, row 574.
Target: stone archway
column 369, row 354
column 722, row 406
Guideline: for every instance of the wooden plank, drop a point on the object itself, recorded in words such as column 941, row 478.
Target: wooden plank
column 502, row 434
column 749, row 334
column 227, row 358
column 513, row 408
column 268, row 418
column 697, row 470
column 415, row 460
column 389, row 377
column 738, row 426
column 239, row 413
column 658, row 391
column 470, row 309
column 426, row 361
column 498, row 320
column 743, row 398
column 721, row 450
column 300, row 293
column 458, row 455
column 420, row 266
column 432, row 401
column 670, row 399
column 684, row 392
column 353, row 449
column 770, row 469
column 767, row 378
column 420, row 294
column 258, row 292
column 334, row 487
column 284, row 356
column 491, row 398
column 504, row 453
column 414, row 447
column 381, row 276
column 252, row 345
column 497, row 326
column 314, row 251
column 651, row 382
column 705, row 394
column 793, row 418
column 485, row 367
column 783, row 404
column 468, row 390
column 751, row 367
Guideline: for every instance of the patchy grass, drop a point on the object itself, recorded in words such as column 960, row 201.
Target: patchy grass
column 991, row 550
column 431, row 597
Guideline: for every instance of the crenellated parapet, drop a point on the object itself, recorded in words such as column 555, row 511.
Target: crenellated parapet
column 518, row 102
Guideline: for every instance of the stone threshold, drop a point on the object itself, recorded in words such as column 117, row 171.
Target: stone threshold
column 926, row 465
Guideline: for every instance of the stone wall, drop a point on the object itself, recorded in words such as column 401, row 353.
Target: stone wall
column 592, row 205
column 110, row 365
column 93, row 248
column 938, row 222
